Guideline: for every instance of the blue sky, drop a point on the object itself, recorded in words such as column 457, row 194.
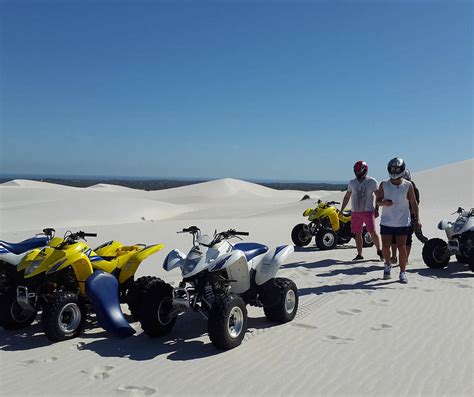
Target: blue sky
column 273, row 90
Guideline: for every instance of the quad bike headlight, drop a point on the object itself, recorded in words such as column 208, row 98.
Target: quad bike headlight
column 190, row 265
column 459, row 224
column 33, row 266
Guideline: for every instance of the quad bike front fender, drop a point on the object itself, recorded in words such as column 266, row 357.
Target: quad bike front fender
column 103, row 291
column 173, row 260
column 132, row 264
column 271, row 262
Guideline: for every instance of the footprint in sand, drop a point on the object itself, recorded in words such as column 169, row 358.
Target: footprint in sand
column 77, row 345
column 98, row 373
column 349, row 312
column 337, row 340
column 463, row 286
column 304, row 326
column 429, row 290
column 380, row 302
column 31, row 362
column 137, row 390
column 381, row 327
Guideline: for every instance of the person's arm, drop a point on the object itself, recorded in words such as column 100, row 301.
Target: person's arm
column 414, row 205
column 345, row 200
column 380, row 201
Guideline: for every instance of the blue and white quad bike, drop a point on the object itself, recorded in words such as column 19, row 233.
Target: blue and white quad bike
column 437, row 252
column 219, row 280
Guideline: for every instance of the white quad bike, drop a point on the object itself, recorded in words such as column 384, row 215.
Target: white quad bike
column 436, row 252
column 219, row 280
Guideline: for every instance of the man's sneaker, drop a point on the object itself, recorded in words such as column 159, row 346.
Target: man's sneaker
column 358, row 258
column 386, row 271
column 394, row 260
column 380, row 254
column 403, row 278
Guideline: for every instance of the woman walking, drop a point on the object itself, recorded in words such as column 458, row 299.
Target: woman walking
column 396, row 195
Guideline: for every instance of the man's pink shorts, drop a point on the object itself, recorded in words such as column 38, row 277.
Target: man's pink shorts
column 358, row 220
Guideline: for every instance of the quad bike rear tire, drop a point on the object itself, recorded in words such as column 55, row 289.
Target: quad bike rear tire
column 343, row 240
column 281, row 294
column 434, row 252
column 300, row 235
column 367, row 240
column 12, row 315
column 63, row 316
column 136, row 292
column 227, row 323
column 156, row 307
column 326, row 239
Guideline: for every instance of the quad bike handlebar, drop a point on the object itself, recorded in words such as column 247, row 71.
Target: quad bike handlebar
column 218, row 237
column 72, row 237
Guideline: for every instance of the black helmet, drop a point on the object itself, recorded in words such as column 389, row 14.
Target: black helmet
column 396, row 168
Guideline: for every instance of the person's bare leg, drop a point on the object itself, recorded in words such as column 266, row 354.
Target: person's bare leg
column 402, row 252
column 358, row 239
column 376, row 240
column 394, row 251
column 386, row 243
column 408, row 251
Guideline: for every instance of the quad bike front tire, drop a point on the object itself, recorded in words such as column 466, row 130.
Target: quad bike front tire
column 434, row 253
column 300, row 235
column 281, row 296
column 467, row 242
column 156, row 311
column 326, row 239
column 12, row 315
column 63, row 316
column 227, row 323
column 367, row 240
column 136, row 292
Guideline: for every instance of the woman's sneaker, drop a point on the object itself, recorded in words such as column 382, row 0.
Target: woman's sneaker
column 403, row 278
column 387, row 271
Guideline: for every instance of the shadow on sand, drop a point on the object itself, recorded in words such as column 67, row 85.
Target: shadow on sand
column 453, row 270
column 179, row 345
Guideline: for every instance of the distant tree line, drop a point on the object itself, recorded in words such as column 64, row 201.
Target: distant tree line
column 159, row 184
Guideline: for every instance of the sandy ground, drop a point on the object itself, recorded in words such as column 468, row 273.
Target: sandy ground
column 354, row 334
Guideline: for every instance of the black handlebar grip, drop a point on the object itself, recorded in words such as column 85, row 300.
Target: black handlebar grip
column 89, row 234
column 242, row 233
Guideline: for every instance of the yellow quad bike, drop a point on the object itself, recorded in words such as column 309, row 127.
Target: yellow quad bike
column 329, row 227
column 56, row 281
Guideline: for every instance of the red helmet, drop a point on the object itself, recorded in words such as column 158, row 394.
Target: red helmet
column 360, row 169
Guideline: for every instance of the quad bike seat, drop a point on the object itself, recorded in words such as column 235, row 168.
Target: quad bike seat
column 25, row 245
column 251, row 250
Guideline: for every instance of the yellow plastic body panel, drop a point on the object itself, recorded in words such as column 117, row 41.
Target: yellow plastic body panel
column 129, row 268
column 110, row 249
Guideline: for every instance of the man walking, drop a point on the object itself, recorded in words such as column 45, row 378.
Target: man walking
column 362, row 190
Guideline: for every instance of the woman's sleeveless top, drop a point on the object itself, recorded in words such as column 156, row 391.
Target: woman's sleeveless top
column 398, row 214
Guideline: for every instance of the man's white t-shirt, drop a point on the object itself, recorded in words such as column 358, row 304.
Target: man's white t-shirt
column 362, row 197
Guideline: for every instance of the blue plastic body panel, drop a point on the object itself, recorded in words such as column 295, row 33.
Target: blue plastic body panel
column 25, row 245
column 251, row 250
column 103, row 290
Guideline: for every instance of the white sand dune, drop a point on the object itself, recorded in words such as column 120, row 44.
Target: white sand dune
column 354, row 334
